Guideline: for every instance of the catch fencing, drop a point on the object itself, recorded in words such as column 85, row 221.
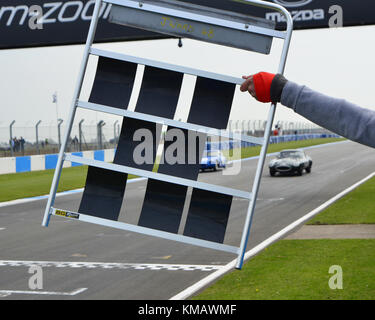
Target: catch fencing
column 49, row 161
column 41, row 138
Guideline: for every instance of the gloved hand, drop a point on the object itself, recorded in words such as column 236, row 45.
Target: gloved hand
column 264, row 86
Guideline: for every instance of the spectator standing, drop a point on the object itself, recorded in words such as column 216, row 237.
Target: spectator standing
column 22, row 144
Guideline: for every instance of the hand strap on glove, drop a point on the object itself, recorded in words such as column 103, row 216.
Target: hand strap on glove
column 268, row 86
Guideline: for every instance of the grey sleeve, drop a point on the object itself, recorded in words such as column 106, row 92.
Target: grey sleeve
column 336, row 115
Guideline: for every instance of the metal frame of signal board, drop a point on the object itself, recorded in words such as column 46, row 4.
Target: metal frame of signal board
column 251, row 196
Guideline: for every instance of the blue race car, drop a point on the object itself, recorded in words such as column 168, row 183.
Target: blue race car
column 213, row 160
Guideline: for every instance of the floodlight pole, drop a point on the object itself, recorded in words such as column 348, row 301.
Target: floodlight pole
column 230, row 125
column 243, row 126
column 99, row 127
column 37, row 135
column 11, row 136
column 80, row 133
column 114, row 131
column 59, row 122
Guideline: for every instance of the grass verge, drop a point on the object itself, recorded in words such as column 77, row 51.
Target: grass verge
column 29, row 184
column 36, row 183
column 357, row 207
column 298, row 270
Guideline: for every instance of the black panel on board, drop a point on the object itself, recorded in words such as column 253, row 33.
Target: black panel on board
column 208, row 215
column 182, row 153
column 103, row 193
column 159, row 92
column 113, row 83
column 212, row 102
column 138, row 144
column 163, row 206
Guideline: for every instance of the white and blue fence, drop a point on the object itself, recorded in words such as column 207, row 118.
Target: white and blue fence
column 49, row 161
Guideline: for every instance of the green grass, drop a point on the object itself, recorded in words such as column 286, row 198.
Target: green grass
column 298, row 269
column 36, row 183
column 357, row 207
column 29, row 184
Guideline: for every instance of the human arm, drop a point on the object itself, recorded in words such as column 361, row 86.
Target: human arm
column 337, row 115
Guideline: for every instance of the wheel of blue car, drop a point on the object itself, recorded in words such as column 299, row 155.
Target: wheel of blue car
column 217, row 166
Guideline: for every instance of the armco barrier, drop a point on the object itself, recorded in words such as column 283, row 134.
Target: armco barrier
column 49, row 161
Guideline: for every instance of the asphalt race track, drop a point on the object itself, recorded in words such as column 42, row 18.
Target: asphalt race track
column 85, row 261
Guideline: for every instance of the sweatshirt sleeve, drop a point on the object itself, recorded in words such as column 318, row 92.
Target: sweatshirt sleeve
column 336, row 115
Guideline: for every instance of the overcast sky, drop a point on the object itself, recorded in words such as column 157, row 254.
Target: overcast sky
column 338, row 62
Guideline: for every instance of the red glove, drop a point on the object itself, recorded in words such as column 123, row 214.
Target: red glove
column 262, row 84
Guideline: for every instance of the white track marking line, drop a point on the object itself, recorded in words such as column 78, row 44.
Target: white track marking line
column 109, row 265
column 27, row 200
column 55, row 293
column 188, row 292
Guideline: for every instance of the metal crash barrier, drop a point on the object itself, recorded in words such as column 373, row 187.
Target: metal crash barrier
column 166, row 192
